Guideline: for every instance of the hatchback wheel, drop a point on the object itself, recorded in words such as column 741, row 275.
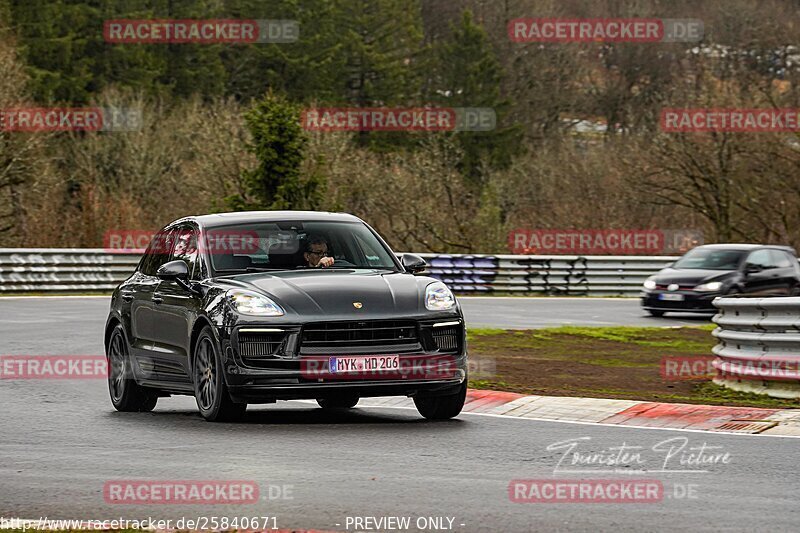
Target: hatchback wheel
column 338, row 402
column 210, row 391
column 442, row 407
column 126, row 394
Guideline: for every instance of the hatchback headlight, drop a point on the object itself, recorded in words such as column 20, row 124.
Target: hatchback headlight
column 438, row 297
column 709, row 287
column 650, row 284
column 252, row 303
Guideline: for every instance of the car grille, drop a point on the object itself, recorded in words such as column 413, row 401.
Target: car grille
column 446, row 337
column 372, row 337
column 260, row 344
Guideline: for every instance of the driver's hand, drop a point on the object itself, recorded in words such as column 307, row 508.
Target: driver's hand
column 325, row 262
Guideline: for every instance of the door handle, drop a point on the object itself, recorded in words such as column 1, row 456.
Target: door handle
column 127, row 296
column 157, row 298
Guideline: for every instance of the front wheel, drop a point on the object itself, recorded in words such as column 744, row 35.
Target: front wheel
column 126, row 395
column 655, row 313
column 442, row 407
column 210, row 391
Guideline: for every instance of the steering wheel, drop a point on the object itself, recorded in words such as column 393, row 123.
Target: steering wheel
column 342, row 263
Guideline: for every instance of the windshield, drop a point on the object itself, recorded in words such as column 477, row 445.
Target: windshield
column 291, row 245
column 711, row 259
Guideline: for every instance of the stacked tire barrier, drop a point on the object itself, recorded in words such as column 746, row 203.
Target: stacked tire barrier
column 758, row 346
column 97, row 270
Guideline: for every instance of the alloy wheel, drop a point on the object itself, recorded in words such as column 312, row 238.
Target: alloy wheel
column 205, row 374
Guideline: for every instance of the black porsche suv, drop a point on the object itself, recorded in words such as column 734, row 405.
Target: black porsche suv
column 255, row 307
column 691, row 283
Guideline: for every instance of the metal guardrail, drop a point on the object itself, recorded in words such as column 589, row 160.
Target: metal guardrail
column 758, row 346
column 63, row 269
column 95, row 270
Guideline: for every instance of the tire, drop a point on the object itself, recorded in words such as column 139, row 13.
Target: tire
column 442, row 407
column 210, row 390
column 339, row 402
column 655, row 313
column 126, row 395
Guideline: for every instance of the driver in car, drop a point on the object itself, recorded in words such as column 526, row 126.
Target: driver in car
column 316, row 252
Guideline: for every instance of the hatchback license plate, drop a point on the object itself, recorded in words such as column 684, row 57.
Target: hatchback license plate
column 671, row 297
column 370, row 363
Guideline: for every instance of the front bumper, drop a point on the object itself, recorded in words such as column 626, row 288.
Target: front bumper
column 290, row 374
column 693, row 302
column 269, row 392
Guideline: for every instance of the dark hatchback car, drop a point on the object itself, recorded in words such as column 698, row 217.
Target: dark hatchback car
column 255, row 307
column 693, row 281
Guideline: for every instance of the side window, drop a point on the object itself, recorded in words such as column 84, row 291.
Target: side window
column 760, row 258
column 186, row 248
column 781, row 259
column 157, row 253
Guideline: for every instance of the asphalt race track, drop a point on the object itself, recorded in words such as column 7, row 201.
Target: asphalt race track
column 61, row 441
column 521, row 313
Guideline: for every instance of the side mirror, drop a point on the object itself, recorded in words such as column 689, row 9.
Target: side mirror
column 413, row 263
column 750, row 268
column 173, row 271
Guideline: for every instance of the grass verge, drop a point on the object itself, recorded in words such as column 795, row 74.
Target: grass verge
column 607, row 362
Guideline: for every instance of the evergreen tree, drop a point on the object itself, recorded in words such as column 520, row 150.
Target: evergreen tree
column 469, row 75
column 279, row 144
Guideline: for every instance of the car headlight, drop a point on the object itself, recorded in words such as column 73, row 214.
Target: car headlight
column 650, row 284
column 438, row 297
column 709, row 287
column 252, row 303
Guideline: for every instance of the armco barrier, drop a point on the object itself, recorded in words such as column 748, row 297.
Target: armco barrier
column 758, row 346
column 93, row 270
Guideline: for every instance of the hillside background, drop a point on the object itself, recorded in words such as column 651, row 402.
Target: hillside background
column 577, row 144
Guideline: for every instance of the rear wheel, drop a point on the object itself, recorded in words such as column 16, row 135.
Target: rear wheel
column 442, row 407
column 210, row 391
column 339, row 402
column 126, row 394
column 655, row 313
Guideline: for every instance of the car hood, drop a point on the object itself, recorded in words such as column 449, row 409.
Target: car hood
column 691, row 276
column 333, row 293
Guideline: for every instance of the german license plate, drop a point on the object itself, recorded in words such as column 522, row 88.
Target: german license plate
column 371, row 363
column 671, row 297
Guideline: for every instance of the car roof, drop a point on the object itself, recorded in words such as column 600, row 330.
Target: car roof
column 746, row 247
column 239, row 217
